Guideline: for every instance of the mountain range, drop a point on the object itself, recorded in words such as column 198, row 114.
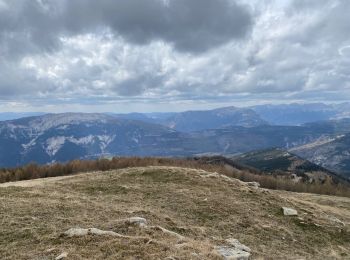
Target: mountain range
column 190, row 121
column 62, row 137
column 294, row 114
column 298, row 114
column 226, row 131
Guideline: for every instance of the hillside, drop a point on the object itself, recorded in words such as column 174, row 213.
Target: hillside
column 333, row 154
column 285, row 164
column 188, row 214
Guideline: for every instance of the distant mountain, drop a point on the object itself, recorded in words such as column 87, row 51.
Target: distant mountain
column 298, row 114
column 189, row 121
column 343, row 110
column 63, row 137
column 336, row 126
column 234, row 140
column 287, row 115
column 283, row 163
column 333, row 154
column 211, row 119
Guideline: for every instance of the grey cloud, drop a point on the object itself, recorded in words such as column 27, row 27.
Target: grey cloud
column 189, row 25
column 138, row 85
column 330, row 20
column 107, row 50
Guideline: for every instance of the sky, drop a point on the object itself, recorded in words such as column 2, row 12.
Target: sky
column 171, row 55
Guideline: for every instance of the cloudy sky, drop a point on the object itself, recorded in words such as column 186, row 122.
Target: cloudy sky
column 170, row 55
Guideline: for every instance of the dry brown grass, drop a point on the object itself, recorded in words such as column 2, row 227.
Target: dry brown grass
column 204, row 210
column 34, row 171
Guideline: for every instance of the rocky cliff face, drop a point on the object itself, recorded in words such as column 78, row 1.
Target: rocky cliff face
column 61, row 137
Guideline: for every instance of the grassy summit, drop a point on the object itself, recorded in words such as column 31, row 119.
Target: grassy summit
column 203, row 208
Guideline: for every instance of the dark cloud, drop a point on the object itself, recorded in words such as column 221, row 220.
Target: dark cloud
column 105, row 50
column 190, row 25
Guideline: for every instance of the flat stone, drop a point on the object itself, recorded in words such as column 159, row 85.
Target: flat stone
column 289, row 211
column 79, row 232
column 76, row 232
column 230, row 253
column 99, row 232
column 234, row 251
column 238, row 245
column 137, row 221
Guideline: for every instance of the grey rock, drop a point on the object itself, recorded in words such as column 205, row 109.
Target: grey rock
column 234, row 251
column 142, row 222
column 289, row 211
column 79, row 232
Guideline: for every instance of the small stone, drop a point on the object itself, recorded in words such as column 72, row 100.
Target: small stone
column 137, row 221
column 62, row 256
column 289, row 211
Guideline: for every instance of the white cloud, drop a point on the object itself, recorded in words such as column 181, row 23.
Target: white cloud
column 293, row 48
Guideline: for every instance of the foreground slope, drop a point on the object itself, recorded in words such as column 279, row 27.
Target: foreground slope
column 203, row 209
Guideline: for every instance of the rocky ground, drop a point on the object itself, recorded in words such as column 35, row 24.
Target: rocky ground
column 167, row 213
